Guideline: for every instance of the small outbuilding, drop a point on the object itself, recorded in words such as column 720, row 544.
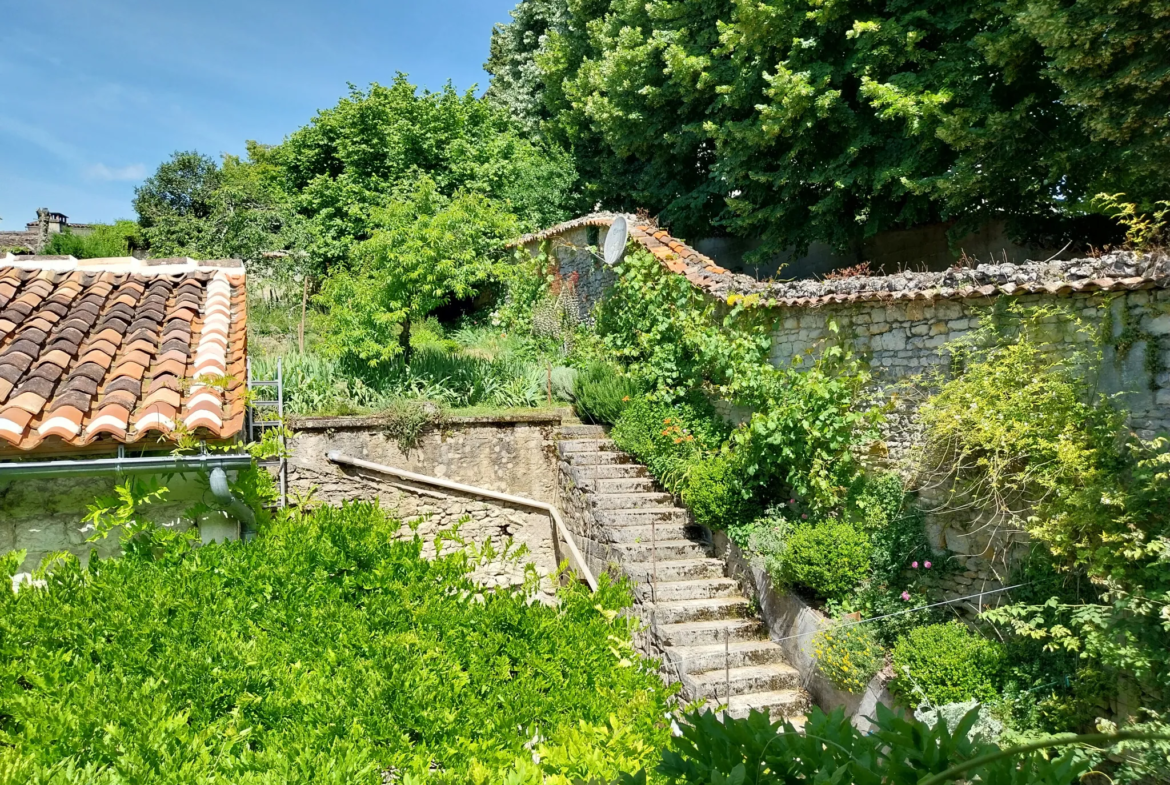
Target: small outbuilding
column 105, row 366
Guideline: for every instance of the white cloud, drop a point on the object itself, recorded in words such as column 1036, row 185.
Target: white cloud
column 103, row 172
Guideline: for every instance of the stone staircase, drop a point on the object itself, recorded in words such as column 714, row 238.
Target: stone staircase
column 700, row 624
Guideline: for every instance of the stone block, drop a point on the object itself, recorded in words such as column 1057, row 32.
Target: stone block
column 41, row 536
column 1159, row 325
column 939, row 328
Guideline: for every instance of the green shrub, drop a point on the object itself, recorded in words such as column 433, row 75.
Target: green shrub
column 948, row 663
column 829, row 558
column 602, row 393
column 105, row 240
column 669, row 438
column 713, row 492
column 895, row 527
column 849, row 656
column 325, row 651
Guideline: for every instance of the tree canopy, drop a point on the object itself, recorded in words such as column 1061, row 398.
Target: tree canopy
column 804, row 120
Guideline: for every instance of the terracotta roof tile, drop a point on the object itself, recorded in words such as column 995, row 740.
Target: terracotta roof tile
column 1112, row 272
column 112, row 352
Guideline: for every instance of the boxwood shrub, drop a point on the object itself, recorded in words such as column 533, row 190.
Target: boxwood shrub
column 829, row 558
column 326, row 651
column 948, row 663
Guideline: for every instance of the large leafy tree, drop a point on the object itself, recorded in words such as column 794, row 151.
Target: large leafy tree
column 804, row 120
column 425, row 250
column 352, row 159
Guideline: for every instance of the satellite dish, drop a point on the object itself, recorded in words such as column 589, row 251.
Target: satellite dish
column 615, row 240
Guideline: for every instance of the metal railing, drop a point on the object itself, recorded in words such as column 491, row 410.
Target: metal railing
column 561, row 529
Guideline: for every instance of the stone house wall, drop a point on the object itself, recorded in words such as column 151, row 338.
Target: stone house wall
column 905, row 343
column 46, row 515
column 515, row 456
column 571, row 250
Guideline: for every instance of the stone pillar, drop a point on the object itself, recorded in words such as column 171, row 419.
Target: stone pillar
column 42, row 229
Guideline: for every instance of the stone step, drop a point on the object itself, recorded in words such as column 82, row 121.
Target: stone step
column 663, row 551
column 779, row 704
column 667, row 591
column 657, row 515
column 661, row 532
column 713, row 684
column 706, row 633
column 685, row 570
column 708, row 657
column 625, row 485
column 679, row 611
column 630, row 501
column 616, row 471
column 581, row 432
column 607, row 458
column 567, row 446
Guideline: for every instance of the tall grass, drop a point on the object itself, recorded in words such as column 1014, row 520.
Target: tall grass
column 319, row 385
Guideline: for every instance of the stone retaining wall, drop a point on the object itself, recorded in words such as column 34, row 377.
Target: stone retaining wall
column 514, row 456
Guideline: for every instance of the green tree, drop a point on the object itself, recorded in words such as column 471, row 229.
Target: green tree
column 798, row 120
column 192, row 206
column 353, row 159
column 425, row 250
column 104, row 240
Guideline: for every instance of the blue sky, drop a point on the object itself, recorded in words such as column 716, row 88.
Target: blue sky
column 96, row 93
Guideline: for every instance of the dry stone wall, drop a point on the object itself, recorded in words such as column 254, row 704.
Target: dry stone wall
column 513, row 457
column 906, row 345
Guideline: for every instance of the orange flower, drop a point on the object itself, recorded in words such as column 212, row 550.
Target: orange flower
column 625, row 399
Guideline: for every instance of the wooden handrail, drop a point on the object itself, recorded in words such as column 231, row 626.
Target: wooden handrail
column 438, row 482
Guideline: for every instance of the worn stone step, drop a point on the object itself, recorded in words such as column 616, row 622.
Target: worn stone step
column 581, row 432
column 618, row 471
column 707, row 657
column 568, row 446
column 644, row 517
column 663, row 550
column 707, row 589
column 630, row 501
column 661, row 532
column 682, row 570
column 705, row 633
column 713, row 684
column 625, row 485
column 679, row 611
column 590, row 458
column 779, row 704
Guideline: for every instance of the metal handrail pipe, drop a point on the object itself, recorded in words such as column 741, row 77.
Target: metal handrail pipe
column 520, row 501
column 160, row 464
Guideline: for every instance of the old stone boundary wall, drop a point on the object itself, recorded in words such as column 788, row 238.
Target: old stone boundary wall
column 906, row 344
column 516, row 456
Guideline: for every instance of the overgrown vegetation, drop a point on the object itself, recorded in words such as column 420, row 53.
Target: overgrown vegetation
column 324, row 651
column 102, row 241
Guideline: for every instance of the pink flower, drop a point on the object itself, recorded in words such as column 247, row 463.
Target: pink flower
column 906, row 596
column 792, row 501
column 927, row 565
column 914, row 565
column 805, row 516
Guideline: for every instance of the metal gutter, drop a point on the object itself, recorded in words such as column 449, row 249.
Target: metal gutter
column 150, row 465
column 563, row 530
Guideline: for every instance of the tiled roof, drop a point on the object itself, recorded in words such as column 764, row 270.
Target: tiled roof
column 1118, row 271
column 119, row 350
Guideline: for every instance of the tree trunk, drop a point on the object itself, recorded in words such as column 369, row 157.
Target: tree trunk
column 404, row 340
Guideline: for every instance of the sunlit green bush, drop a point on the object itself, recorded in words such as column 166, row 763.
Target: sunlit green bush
column 326, row 651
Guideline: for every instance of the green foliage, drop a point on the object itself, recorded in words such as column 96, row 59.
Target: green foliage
column 1142, row 230
column 425, row 251
column 126, row 512
column 754, row 751
column 798, row 121
column 829, row 558
column 375, row 144
column 192, row 206
column 669, row 439
column 602, row 392
column 714, row 494
column 324, row 651
column 848, row 656
column 103, row 241
column 1022, row 430
column 895, row 527
column 946, row 663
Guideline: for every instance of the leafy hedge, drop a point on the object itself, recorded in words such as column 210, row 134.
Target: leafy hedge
column 324, row 652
